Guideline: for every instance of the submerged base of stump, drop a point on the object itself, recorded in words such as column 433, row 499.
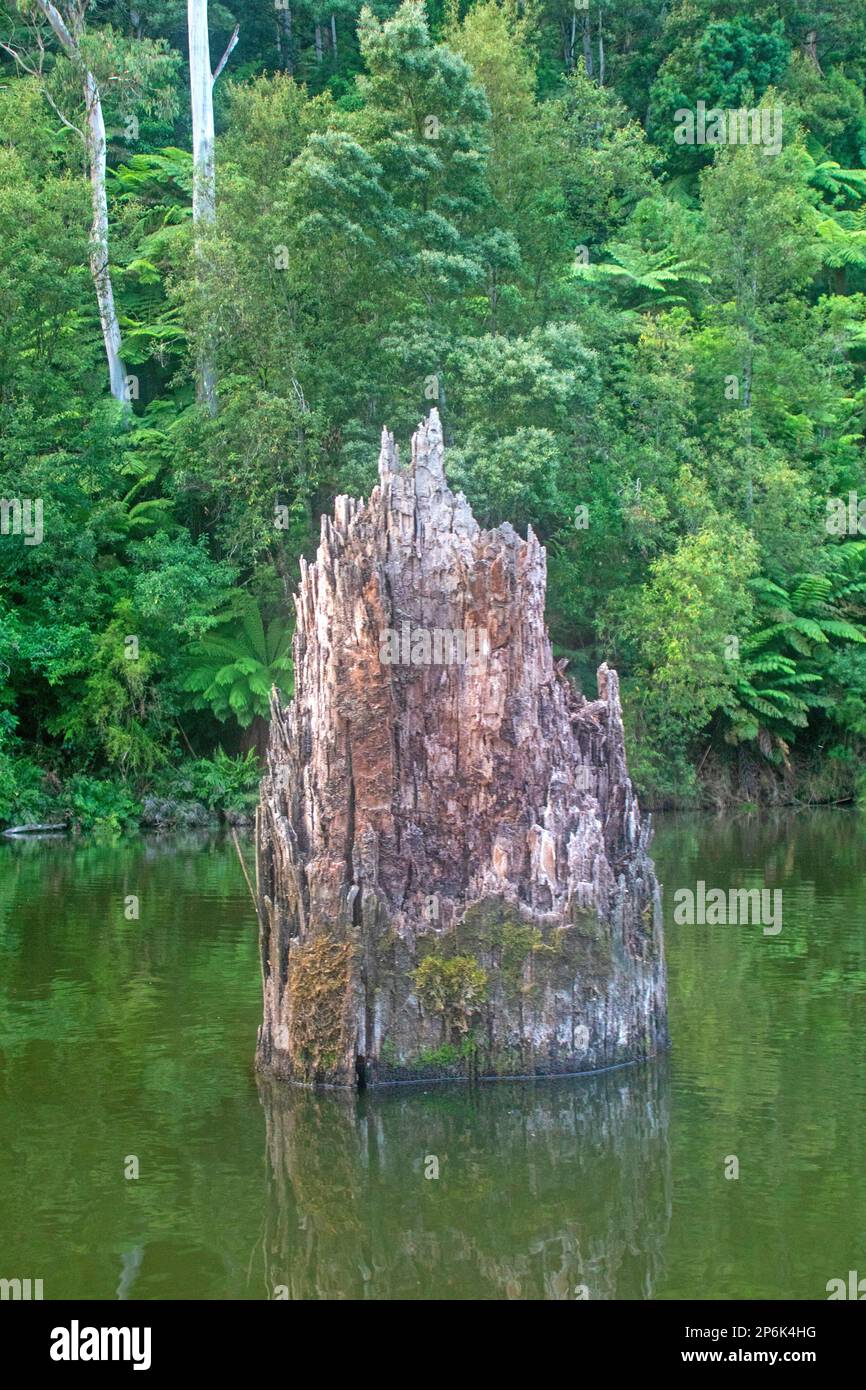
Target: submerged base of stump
column 453, row 875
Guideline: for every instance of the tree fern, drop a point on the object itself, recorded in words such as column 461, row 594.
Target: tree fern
column 656, row 271
column 783, row 658
column 234, row 667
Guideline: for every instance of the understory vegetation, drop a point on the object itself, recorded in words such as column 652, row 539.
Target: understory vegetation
column 650, row 351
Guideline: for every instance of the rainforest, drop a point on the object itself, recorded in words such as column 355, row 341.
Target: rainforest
column 649, row 350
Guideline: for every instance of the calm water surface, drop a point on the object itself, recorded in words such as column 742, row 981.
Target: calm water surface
column 134, row 1039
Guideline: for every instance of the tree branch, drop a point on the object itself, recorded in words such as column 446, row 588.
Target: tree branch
column 52, row 14
column 36, row 70
column 59, row 114
column 224, row 59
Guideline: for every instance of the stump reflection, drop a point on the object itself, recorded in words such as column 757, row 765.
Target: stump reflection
column 551, row 1190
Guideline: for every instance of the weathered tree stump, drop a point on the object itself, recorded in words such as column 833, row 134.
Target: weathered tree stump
column 453, row 876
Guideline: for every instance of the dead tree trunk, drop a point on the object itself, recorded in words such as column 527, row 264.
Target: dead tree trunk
column 99, row 266
column 453, row 874
column 69, row 35
column 201, row 85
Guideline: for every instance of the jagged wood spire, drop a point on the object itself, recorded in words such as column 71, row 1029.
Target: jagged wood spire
column 453, row 871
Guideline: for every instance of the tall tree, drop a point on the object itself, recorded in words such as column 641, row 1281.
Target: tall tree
column 68, row 32
column 201, row 85
column 151, row 66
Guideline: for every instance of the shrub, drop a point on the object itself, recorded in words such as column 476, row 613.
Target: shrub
column 221, row 783
column 96, row 805
column 23, row 798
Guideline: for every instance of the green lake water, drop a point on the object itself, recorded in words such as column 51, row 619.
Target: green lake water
column 129, row 1043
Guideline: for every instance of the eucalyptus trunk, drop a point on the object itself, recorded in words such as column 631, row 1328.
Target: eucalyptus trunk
column 99, row 252
column 95, row 154
column 201, row 82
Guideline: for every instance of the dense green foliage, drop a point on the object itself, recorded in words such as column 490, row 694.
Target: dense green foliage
column 651, row 352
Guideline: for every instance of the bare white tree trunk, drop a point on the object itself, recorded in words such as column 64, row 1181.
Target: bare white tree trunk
column 318, row 43
column 201, row 84
column 334, row 35
column 94, row 140
column 571, row 35
column 201, row 101
column 99, row 267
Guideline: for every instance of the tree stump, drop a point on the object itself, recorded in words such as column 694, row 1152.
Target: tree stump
column 453, row 877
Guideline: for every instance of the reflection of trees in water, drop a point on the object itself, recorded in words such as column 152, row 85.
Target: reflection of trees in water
column 543, row 1188
column 768, row 1047
column 816, row 849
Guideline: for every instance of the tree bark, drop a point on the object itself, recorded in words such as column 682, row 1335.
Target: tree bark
column 99, row 266
column 453, row 873
column 94, row 141
column 201, row 81
column 201, row 102
column 587, row 45
column 810, row 48
column 569, row 35
column 284, row 39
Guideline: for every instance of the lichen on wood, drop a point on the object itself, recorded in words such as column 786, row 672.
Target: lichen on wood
column 453, row 873
column 319, row 1024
